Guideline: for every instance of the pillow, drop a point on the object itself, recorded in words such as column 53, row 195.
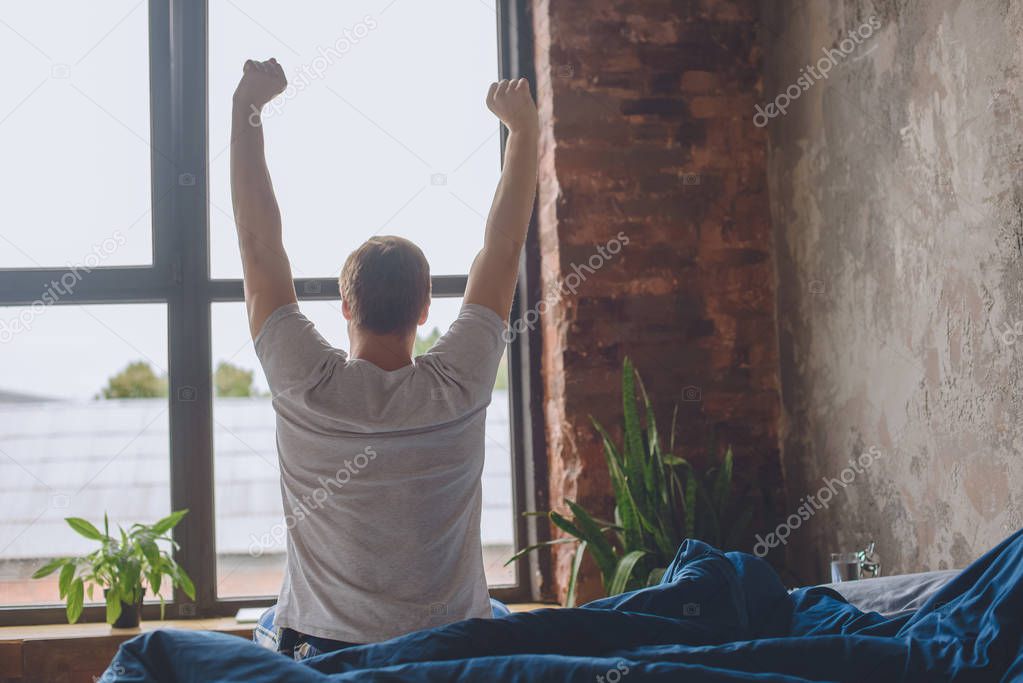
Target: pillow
column 891, row 594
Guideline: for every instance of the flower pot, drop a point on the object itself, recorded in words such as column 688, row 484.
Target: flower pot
column 131, row 615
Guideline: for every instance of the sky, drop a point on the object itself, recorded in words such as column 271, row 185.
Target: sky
column 385, row 132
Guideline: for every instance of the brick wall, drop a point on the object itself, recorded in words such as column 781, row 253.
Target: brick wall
column 648, row 146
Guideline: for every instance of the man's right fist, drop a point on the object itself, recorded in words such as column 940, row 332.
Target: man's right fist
column 512, row 103
column 261, row 82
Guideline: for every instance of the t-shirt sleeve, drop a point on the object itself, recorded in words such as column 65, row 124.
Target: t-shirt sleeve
column 292, row 352
column 470, row 351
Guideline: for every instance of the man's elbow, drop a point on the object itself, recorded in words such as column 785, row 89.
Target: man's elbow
column 258, row 226
column 259, row 250
column 503, row 246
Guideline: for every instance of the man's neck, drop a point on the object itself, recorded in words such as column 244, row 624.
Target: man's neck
column 386, row 351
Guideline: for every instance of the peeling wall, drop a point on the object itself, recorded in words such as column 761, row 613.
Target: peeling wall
column 898, row 227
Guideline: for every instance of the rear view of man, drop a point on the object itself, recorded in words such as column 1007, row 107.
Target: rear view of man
column 380, row 454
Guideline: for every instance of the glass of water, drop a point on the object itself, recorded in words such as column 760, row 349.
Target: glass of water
column 844, row 567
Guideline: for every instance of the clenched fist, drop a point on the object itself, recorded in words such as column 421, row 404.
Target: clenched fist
column 261, row 82
column 511, row 102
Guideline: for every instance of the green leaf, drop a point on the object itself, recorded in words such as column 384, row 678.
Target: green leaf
column 531, row 548
column 598, row 544
column 674, row 425
column 666, row 546
column 49, row 568
column 169, row 522
column 75, row 601
column 130, row 581
column 568, row 527
column 573, row 578
column 653, row 438
column 651, row 453
column 624, row 570
column 655, row 576
column 66, row 575
column 723, row 484
column 625, row 509
column 677, row 504
column 633, row 451
column 691, row 505
column 186, row 583
column 151, row 552
column 113, row 605
column 84, row 528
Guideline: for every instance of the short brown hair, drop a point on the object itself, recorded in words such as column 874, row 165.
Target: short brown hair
column 386, row 284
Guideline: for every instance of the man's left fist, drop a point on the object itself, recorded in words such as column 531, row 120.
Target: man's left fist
column 261, row 82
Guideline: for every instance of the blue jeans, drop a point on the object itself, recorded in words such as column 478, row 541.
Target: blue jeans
column 300, row 646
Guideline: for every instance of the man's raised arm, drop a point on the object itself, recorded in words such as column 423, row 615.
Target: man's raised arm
column 267, row 272
column 494, row 272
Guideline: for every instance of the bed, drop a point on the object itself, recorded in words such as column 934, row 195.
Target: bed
column 715, row 617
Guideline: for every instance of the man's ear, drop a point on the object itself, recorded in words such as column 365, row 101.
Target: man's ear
column 425, row 314
column 345, row 310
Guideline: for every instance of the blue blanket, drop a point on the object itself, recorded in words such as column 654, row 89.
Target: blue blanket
column 714, row 617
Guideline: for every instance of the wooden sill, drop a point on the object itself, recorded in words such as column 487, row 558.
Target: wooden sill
column 528, row 606
column 76, row 653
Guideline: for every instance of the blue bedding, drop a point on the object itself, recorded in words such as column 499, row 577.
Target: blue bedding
column 714, row 617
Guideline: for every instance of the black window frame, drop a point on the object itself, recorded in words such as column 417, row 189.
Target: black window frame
column 179, row 277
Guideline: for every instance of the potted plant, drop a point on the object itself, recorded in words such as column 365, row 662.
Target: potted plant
column 660, row 499
column 124, row 566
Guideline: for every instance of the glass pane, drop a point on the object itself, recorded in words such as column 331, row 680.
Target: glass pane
column 74, row 126
column 250, row 522
column 384, row 132
column 83, row 431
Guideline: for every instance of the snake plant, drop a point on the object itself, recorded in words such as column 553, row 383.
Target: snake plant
column 660, row 499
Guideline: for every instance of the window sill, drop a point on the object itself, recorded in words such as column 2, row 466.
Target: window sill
column 71, row 652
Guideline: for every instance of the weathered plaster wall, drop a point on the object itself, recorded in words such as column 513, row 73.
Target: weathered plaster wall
column 898, row 223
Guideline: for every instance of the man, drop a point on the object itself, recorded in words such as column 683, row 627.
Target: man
column 380, row 453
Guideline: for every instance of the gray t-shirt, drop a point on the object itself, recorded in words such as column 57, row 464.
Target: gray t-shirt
column 380, row 478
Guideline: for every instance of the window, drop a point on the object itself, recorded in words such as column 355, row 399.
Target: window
column 383, row 130
column 83, row 430
column 124, row 351
column 77, row 96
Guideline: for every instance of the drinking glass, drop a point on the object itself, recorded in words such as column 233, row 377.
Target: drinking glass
column 844, row 567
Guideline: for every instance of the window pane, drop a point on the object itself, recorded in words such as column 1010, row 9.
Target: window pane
column 384, row 132
column 74, row 130
column 250, row 522
column 83, row 431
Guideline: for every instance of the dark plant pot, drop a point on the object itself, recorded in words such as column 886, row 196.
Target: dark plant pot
column 131, row 615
